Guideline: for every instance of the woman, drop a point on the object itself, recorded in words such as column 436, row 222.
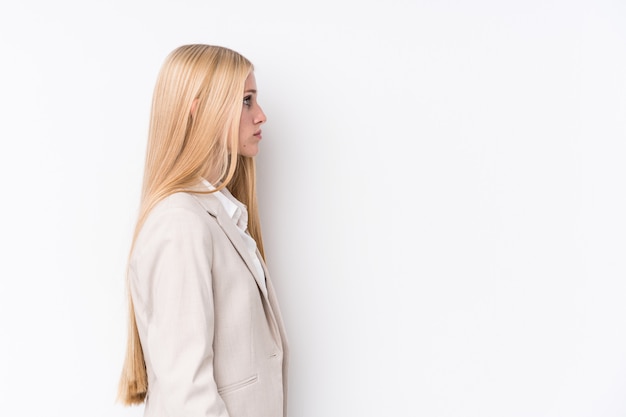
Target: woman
column 205, row 337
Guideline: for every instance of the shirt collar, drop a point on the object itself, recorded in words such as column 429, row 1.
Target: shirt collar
column 235, row 209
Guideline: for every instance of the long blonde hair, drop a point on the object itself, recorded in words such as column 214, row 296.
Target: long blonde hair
column 183, row 147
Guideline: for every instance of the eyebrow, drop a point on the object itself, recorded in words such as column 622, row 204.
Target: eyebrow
column 250, row 91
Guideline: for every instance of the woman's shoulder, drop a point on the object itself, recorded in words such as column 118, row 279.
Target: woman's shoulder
column 176, row 212
column 181, row 204
column 180, row 200
column 177, row 221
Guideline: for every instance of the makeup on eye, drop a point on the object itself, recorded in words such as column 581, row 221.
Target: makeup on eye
column 247, row 99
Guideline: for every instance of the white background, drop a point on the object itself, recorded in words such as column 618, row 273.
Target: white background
column 442, row 190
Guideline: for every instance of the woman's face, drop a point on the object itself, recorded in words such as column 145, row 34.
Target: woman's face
column 252, row 117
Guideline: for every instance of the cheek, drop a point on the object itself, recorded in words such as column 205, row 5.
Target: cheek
column 246, row 129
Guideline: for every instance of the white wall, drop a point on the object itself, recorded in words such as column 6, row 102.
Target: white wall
column 442, row 185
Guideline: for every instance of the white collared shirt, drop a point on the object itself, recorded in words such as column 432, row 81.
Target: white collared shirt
column 239, row 213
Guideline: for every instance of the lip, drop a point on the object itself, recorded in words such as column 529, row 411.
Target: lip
column 258, row 134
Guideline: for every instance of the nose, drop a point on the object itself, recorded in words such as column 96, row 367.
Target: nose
column 260, row 117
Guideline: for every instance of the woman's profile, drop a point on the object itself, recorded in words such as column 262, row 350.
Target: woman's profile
column 206, row 337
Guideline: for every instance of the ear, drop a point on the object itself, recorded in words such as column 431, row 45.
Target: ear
column 194, row 106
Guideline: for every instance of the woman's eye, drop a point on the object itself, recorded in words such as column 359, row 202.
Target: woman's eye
column 247, row 101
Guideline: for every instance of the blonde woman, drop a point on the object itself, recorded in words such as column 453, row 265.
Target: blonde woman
column 206, row 336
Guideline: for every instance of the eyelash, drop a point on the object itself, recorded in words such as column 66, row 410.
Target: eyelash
column 247, row 101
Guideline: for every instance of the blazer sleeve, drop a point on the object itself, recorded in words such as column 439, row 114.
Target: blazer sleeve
column 172, row 261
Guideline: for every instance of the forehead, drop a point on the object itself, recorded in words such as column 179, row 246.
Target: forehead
column 250, row 82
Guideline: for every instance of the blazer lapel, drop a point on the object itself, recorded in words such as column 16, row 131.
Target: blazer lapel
column 213, row 206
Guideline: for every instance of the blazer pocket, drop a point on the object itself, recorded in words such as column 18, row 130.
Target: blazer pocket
column 227, row 389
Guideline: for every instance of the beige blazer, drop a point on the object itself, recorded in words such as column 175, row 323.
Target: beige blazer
column 212, row 337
